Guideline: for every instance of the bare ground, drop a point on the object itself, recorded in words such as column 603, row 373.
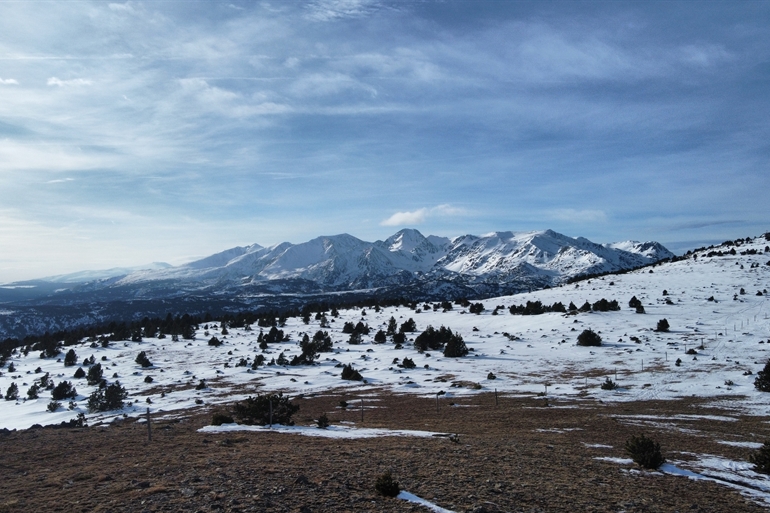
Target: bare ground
column 517, row 456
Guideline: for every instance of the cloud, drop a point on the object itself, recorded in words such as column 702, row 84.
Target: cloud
column 61, row 180
column 419, row 216
column 53, row 81
column 330, row 10
column 578, row 216
column 8, row 81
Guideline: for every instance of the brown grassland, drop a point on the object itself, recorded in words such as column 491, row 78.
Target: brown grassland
column 517, row 456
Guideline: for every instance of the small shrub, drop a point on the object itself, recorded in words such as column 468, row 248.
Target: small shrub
column 645, row 452
column 256, row 410
column 387, row 486
column 214, row 341
column 63, row 390
column 94, row 376
column 609, row 384
column 70, row 358
column 53, row 406
column 34, row 391
column 12, row 393
column 221, row 418
column 148, row 379
column 142, row 360
column 491, row 375
column 678, row 362
column 761, row 459
column 323, row 422
column 349, row 373
column 589, row 338
column 762, row 381
column 80, row 373
column 662, row 325
column 408, row 363
column 108, row 398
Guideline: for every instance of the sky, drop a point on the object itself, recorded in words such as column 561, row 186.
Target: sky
column 153, row 131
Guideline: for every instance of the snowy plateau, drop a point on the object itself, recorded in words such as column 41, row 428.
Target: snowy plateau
column 715, row 301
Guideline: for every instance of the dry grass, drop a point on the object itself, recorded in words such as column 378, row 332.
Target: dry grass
column 518, row 456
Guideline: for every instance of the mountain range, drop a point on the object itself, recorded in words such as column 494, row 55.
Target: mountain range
column 407, row 264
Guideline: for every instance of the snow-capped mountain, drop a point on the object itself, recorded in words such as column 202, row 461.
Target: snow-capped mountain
column 512, row 260
column 407, row 265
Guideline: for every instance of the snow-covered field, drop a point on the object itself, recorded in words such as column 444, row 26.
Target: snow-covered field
column 730, row 334
column 717, row 306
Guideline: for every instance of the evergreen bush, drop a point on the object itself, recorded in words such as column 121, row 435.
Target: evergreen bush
column 645, row 452
column 387, row 486
column 762, row 381
column 80, row 373
column 108, row 398
column 63, row 390
column 589, row 338
column 350, row 374
column 221, row 418
column 323, row 421
column 761, row 459
column 12, row 393
column 94, row 376
column 142, row 360
column 662, row 325
column 256, row 410
column 70, row 358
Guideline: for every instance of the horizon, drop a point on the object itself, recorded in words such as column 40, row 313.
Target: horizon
column 135, row 132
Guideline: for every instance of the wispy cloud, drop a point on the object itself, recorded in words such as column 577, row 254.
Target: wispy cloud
column 53, row 81
column 419, row 216
column 329, row 10
column 607, row 120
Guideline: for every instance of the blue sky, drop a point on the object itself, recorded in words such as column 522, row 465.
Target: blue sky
column 160, row 131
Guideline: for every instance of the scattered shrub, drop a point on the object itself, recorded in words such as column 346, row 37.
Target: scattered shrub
column 70, row 358
column 645, row 452
column 256, row 410
column 221, row 418
column 323, row 421
column 408, row 363
column 349, row 373
column 491, row 376
column 80, row 373
column 662, row 325
column 761, row 459
column 34, row 391
column 108, row 398
column 762, row 381
column 589, row 338
column 609, row 384
column 214, row 341
column 63, row 390
column 142, row 360
column 53, row 406
column 94, row 376
column 387, row 486
column 455, row 346
column 12, row 393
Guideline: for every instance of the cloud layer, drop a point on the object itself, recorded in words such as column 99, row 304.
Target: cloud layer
column 207, row 125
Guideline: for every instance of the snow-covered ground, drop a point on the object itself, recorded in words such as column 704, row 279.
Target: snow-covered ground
column 540, row 351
